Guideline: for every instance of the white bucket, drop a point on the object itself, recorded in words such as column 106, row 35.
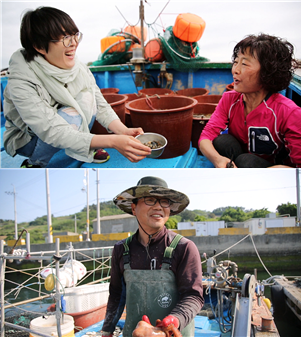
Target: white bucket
column 48, row 325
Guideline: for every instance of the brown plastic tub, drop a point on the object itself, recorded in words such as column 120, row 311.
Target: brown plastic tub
column 191, row 92
column 117, row 102
column 131, row 97
column 201, row 115
column 212, row 99
column 156, row 91
column 170, row 116
column 230, row 87
column 109, row 90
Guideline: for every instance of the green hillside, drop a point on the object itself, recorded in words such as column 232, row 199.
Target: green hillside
column 68, row 223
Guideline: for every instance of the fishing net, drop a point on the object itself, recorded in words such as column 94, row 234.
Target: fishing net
column 181, row 55
column 118, row 52
column 21, row 318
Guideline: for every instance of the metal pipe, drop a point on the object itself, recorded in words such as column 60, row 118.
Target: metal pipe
column 88, row 216
column 49, row 221
column 26, row 301
column 2, row 278
column 98, row 230
column 30, row 258
column 15, row 212
column 57, row 285
column 28, row 242
column 68, row 250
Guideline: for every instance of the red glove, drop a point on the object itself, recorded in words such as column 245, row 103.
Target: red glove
column 146, row 319
column 168, row 320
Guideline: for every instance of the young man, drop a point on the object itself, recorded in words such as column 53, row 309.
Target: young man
column 159, row 271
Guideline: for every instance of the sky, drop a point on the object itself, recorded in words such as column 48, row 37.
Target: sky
column 227, row 22
column 207, row 189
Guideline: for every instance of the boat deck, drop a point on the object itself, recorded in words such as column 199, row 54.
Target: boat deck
column 190, row 159
column 293, row 295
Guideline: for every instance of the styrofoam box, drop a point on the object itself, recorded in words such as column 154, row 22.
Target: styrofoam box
column 86, row 297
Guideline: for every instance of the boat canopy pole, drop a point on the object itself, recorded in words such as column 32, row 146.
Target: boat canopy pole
column 2, row 279
column 141, row 25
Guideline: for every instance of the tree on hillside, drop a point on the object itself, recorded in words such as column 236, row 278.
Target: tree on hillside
column 287, row 208
column 63, row 225
column 234, row 214
column 171, row 224
column 105, row 208
column 260, row 213
column 36, row 236
column 219, row 211
column 200, row 218
column 40, row 221
column 177, row 217
column 188, row 215
column 222, row 210
column 200, row 212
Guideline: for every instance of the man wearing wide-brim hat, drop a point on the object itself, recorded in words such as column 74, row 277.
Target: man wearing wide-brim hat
column 159, row 271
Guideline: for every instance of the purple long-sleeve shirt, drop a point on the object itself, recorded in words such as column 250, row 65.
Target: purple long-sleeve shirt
column 186, row 265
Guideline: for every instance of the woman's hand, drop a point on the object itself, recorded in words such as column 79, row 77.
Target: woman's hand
column 120, row 129
column 130, row 147
column 134, row 132
column 208, row 150
column 222, row 162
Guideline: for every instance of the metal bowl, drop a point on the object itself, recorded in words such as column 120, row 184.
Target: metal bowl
column 153, row 137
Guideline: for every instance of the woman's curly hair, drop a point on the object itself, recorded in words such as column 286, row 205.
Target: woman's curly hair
column 276, row 58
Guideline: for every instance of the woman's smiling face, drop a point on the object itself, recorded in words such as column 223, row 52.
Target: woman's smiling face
column 60, row 56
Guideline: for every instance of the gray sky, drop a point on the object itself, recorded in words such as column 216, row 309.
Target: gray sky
column 226, row 22
column 207, row 189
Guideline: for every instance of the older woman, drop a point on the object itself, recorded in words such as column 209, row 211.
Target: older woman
column 51, row 99
column 264, row 127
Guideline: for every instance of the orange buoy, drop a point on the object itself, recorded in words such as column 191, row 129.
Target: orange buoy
column 108, row 41
column 135, row 45
column 189, row 27
column 153, row 51
column 136, row 31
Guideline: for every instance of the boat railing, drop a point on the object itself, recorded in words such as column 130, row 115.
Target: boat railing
column 97, row 261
